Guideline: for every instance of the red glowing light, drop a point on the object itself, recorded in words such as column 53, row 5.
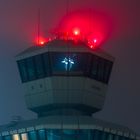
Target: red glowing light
column 76, row 32
column 91, row 26
column 41, row 42
column 91, row 46
column 95, row 40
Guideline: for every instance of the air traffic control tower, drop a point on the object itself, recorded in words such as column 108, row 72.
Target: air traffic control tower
column 66, row 83
column 64, row 78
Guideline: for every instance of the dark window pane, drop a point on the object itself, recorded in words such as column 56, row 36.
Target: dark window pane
column 120, row 138
column 46, row 61
column 42, row 135
column 31, row 68
column 103, row 136
column 59, row 63
column 79, row 65
column 85, row 135
column 125, row 138
column 39, row 66
column 116, row 137
column 69, row 134
column 94, row 71
column 109, row 137
column 97, row 135
column 22, row 70
column 107, row 72
column 32, row 135
column 55, row 134
column 7, row 137
column 101, row 64
column 101, row 69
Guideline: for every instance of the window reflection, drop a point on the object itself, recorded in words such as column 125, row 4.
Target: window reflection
column 24, row 136
column 16, row 137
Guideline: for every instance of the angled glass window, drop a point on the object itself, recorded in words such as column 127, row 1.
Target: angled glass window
column 116, row 137
column 54, row 134
column 16, row 137
column 40, row 71
column 101, row 65
column 77, row 63
column 94, row 70
column 107, row 71
column 97, row 135
column 24, row 136
column 59, row 62
column 125, row 138
column 121, row 138
column 109, row 136
column 31, row 68
column 103, row 135
column 22, row 70
column 85, row 134
column 101, row 69
column 7, row 137
column 69, row 63
column 32, row 135
column 42, row 134
column 46, row 61
column 70, row 134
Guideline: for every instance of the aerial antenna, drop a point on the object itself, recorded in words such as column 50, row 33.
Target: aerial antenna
column 67, row 12
column 67, row 7
column 38, row 27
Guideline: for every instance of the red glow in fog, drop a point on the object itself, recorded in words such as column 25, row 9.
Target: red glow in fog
column 76, row 32
column 85, row 25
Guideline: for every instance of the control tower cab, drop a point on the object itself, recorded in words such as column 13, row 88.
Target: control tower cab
column 64, row 77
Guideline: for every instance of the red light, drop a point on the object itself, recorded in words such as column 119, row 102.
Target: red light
column 95, row 41
column 41, row 42
column 76, row 32
column 91, row 46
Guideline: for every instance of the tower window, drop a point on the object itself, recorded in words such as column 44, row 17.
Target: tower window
column 32, row 135
column 16, row 137
column 39, row 66
column 31, row 68
column 24, row 136
column 23, row 70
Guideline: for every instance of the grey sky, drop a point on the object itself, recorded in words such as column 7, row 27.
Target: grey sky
column 18, row 22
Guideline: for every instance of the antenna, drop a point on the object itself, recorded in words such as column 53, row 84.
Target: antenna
column 67, row 7
column 38, row 27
